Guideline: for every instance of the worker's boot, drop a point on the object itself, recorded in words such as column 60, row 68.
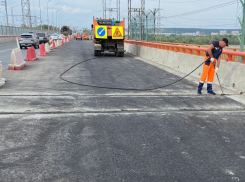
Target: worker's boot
column 210, row 89
column 199, row 90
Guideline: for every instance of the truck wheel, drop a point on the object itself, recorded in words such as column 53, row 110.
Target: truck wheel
column 117, row 54
column 95, row 53
column 99, row 53
column 121, row 54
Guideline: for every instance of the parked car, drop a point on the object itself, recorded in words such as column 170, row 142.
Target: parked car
column 27, row 40
column 60, row 36
column 42, row 37
column 54, row 36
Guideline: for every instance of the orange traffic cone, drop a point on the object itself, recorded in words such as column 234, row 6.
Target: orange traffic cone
column 30, row 56
column 42, row 50
column 62, row 43
column 33, row 52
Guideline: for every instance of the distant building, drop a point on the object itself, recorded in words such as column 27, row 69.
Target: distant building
column 188, row 34
column 214, row 33
column 197, row 33
column 223, row 32
column 234, row 32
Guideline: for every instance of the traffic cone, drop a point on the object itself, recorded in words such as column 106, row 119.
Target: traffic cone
column 33, row 52
column 42, row 50
column 62, row 43
column 29, row 55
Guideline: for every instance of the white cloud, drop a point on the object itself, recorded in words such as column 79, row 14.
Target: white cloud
column 75, row 10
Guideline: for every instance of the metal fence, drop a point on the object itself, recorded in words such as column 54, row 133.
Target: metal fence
column 143, row 31
column 10, row 30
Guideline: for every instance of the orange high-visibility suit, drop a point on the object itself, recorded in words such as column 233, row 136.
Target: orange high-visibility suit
column 209, row 67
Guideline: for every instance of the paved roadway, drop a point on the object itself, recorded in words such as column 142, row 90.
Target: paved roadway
column 51, row 130
column 5, row 54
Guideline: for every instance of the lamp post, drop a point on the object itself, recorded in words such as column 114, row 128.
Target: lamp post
column 53, row 16
column 61, row 19
column 56, row 19
column 47, row 15
column 59, row 15
column 40, row 16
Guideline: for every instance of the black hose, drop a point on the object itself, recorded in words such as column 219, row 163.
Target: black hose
column 118, row 88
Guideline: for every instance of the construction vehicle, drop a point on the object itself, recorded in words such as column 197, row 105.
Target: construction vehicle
column 85, row 36
column 109, row 36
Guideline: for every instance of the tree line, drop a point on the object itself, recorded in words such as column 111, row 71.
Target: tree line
column 202, row 40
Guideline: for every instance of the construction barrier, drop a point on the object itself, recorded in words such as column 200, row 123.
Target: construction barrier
column 62, row 43
column 55, row 43
column 2, row 80
column 42, row 50
column 17, row 61
column 47, row 47
column 59, row 43
column 31, row 54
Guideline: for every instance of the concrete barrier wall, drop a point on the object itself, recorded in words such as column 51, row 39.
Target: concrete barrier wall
column 8, row 39
column 231, row 74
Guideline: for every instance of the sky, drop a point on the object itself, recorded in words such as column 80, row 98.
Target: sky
column 220, row 14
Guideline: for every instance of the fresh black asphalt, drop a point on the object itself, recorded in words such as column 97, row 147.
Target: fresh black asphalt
column 51, row 130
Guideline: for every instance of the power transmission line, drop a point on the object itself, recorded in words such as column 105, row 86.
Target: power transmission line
column 203, row 10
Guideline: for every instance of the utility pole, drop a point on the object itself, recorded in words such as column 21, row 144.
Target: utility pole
column 159, row 17
column 104, row 8
column 53, row 16
column 56, row 20
column 129, row 18
column 35, row 21
column 241, row 39
column 12, row 15
column 40, row 15
column 154, row 12
column 47, row 15
column 118, row 10
column 26, row 12
column 6, row 10
column 142, row 18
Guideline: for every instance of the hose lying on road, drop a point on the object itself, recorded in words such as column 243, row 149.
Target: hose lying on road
column 118, row 88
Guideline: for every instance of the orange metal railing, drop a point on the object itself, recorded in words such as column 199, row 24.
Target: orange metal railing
column 198, row 51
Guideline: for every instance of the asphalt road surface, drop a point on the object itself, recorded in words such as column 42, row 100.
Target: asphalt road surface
column 51, row 130
column 5, row 54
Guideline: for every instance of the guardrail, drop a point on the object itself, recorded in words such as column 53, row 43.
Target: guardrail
column 197, row 45
column 232, row 56
column 9, row 36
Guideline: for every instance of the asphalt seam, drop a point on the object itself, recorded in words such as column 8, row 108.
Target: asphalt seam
column 121, row 95
column 125, row 111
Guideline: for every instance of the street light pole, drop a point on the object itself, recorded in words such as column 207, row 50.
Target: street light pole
column 53, row 16
column 47, row 15
column 56, row 20
column 40, row 16
column 61, row 19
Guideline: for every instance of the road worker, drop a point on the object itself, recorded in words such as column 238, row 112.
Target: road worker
column 75, row 35
column 211, row 64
